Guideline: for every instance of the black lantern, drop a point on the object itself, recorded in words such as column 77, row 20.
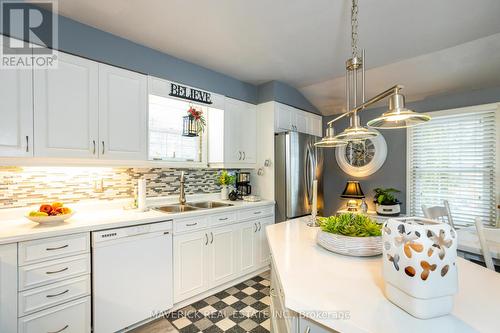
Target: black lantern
column 189, row 126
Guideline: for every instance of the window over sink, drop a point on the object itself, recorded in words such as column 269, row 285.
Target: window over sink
column 166, row 140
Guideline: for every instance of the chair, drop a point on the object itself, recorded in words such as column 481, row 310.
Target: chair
column 440, row 213
column 484, row 245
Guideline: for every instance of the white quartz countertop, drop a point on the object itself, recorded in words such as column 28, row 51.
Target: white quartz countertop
column 315, row 280
column 14, row 227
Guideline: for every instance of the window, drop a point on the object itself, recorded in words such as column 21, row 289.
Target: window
column 166, row 142
column 454, row 158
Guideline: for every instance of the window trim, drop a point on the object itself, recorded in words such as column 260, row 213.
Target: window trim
column 451, row 113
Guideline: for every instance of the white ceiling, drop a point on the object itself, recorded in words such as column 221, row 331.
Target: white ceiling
column 305, row 43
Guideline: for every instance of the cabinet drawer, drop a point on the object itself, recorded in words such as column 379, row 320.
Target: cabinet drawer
column 56, row 293
column 31, row 252
column 256, row 212
column 223, row 218
column 71, row 317
column 189, row 224
column 51, row 271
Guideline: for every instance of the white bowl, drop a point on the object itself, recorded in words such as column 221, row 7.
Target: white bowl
column 50, row 219
column 351, row 246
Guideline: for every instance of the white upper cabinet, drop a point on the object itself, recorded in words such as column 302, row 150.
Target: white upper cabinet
column 288, row 118
column 66, row 109
column 232, row 134
column 16, row 110
column 122, row 114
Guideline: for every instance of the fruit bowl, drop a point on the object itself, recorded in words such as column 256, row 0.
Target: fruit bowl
column 56, row 212
column 50, row 219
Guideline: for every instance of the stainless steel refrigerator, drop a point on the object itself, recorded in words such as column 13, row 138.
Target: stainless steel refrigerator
column 297, row 163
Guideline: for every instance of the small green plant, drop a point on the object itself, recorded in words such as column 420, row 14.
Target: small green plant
column 349, row 224
column 225, row 178
column 385, row 196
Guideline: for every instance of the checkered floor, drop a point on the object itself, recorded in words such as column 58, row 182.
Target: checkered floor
column 242, row 308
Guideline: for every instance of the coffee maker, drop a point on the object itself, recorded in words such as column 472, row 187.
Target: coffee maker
column 243, row 187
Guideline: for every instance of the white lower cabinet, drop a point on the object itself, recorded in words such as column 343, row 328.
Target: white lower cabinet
column 71, row 317
column 264, row 257
column 8, row 288
column 248, row 246
column 224, row 252
column 205, row 259
column 191, row 257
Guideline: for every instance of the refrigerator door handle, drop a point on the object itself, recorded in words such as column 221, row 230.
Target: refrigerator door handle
column 308, row 174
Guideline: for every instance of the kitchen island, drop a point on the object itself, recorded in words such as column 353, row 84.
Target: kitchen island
column 346, row 294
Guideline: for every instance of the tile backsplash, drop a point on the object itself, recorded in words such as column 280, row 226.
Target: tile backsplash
column 25, row 186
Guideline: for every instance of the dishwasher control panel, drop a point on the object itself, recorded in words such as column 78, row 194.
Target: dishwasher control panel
column 112, row 234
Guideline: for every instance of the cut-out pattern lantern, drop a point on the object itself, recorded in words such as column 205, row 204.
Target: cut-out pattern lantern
column 419, row 265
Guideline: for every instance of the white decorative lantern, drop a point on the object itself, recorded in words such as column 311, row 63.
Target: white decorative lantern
column 419, row 265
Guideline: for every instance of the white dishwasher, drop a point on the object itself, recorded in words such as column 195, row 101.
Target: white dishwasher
column 131, row 275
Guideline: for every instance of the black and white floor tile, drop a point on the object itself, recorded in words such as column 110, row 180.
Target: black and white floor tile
column 241, row 308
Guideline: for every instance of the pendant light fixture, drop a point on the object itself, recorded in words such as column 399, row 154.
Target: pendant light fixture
column 397, row 116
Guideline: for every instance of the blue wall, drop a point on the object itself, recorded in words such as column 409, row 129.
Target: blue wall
column 393, row 172
column 283, row 93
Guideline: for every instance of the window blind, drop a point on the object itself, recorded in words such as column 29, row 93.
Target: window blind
column 453, row 157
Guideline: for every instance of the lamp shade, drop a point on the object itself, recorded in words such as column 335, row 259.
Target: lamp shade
column 353, row 190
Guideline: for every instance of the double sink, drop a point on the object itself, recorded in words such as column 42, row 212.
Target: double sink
column 191, row 206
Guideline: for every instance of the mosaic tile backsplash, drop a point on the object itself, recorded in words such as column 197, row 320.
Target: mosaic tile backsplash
column 21, row 187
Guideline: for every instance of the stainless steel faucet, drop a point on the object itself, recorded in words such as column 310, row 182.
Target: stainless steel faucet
column 182, row 196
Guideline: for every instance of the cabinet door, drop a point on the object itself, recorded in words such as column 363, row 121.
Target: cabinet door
column 283, row 118
column 8, row 288
column 223, row 261
column 66, row 109
column 301, row 121
column 122, row 114
column 248, row 240
column 315, row 125
column 16, row 109
column 191, row 255
column 233, row 131
column 248, row 133
column 264, row 254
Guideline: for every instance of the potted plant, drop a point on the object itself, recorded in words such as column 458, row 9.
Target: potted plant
column 350, row 234
column 386, row 203
column 225, row 179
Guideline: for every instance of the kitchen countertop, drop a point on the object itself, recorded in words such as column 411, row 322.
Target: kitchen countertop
column 91, row 216
column 315, row 280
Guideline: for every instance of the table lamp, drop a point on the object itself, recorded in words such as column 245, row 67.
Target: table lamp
column 352, row 192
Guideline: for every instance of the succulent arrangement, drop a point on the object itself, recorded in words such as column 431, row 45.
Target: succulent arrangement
column 349, row 224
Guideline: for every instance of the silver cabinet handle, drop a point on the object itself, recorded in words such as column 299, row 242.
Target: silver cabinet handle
column 62, row 329
column 27, row 143
column 308, row 330
column 240, row 155
column 103, row 147
column 212, row 240
column 59, row 294
column 206, row 239
column 244, row 156
column 272, row 293
column 93, row 151
column 260, row 226
column 59, row 271
column 256, row 213
column 57, row 248
column 223, row 219
column 191, row 224
column 255, row 224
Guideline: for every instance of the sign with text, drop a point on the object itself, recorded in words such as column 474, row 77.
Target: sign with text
column 195, row 95
column 33, row 28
